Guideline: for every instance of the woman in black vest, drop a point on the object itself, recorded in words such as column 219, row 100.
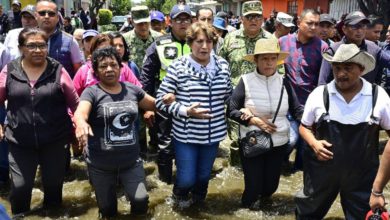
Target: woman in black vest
column 39, row 91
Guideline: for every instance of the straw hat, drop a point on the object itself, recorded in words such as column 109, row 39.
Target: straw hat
column 267, row 46
column 350, row 53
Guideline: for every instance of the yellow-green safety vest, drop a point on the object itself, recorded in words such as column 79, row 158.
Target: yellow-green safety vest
column 168, row 52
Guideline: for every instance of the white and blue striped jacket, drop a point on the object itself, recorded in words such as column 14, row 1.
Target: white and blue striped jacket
column 191, row 87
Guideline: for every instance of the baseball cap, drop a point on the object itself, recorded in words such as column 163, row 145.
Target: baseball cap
column 157, row 15
column 179, row 9
column 140, row 14
column 252, row 7
column 16, row 2
column 285, row 19
column 222, row 14
column 355, row 17
column 90, row 33
column 327, row 18
column 30, row 9
column 219, row 23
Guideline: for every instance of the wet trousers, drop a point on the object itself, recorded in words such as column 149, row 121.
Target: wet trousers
column 24, row 162
column 194, row 163
column 323, row 181
column 105, row 182
column 261, row 174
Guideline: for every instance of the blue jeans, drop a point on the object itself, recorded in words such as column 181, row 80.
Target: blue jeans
column 194, row 163
column 4, row 164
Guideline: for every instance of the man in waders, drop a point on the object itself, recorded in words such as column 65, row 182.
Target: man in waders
column 341, row 125
column 157, row 59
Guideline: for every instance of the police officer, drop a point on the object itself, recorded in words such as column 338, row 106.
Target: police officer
column 157, row 59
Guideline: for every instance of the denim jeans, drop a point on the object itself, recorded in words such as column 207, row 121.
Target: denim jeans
column 194, row 163
column 4, row 164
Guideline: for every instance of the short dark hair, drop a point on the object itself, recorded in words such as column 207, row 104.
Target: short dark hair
column 204, row 8
column 126, row 55
column 68, row 19
column 99, row 54
column 308, row 11
column 374, row 20
column 26, row 32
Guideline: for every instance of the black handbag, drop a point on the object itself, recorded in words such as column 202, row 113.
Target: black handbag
column 257, row 142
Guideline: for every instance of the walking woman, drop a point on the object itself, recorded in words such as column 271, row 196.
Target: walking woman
column 107, row 114
column 85, row 76
column 39, row 91
column 266, row 98
column 201, row 83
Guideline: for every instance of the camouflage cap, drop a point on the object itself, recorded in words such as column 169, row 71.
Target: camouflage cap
column 140, row 14
column 252, row 7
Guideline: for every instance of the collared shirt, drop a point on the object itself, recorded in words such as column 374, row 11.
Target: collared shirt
column 375, row 76
column 358, row 110
column 137, row 46
column 235, row 47
column 210, row 68
column 302, row 66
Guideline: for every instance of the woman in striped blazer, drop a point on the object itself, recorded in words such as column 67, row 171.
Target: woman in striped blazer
column 201, row 83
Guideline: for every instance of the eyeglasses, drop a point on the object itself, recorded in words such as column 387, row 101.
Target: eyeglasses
column 357, row 26
column 33, row 47
column 254, row 17
column 47, row 12
column 104, row 66
column 182, row 21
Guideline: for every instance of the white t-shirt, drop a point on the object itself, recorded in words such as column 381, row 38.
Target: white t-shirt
column 356, row 111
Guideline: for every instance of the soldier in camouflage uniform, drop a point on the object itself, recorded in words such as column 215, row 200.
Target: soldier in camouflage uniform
column 141, row 37
column 238, row 44
column 241, row 42
column 138, row 40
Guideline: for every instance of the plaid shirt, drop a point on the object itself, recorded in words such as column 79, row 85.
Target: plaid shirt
column 303, row 64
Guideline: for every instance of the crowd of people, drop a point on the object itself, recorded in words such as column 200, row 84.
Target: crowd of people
column 189, row 80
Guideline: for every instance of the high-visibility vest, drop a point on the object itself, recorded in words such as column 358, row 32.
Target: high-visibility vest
column 167, row 51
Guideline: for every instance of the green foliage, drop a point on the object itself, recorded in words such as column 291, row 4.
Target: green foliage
column 120, row 7
column 156, row 4
column 167, row 7
column 105, row 16
column 107, row 28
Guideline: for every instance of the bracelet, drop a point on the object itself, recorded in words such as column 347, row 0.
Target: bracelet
column 378, row 194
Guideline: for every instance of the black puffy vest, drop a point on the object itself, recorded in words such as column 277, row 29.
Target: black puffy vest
column 37, row 116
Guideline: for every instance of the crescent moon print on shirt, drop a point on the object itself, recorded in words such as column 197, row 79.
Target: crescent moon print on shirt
column 119, row 119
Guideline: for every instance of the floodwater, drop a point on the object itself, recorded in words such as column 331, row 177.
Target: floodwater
column 223, row 199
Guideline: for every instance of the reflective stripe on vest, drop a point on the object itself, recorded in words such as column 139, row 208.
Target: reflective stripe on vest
column 168, row 52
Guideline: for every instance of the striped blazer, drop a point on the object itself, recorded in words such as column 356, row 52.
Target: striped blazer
column 189, row 87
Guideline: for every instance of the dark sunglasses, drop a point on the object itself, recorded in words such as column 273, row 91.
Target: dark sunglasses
column 255, row 17
column 46, row 12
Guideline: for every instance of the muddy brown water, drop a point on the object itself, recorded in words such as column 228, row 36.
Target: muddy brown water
column 222, row 202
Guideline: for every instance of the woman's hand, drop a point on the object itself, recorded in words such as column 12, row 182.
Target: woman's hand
column 194, row 111
column 321, row 149
column 82, row 132
column 1, row 132
column 377, row 202
column 263, row 124
column 246, row 114
column 168, row 98
column 149, row 117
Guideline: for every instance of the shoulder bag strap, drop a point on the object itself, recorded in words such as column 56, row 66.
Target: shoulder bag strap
column 374, row 98
column 280, row 101
column 325, row 97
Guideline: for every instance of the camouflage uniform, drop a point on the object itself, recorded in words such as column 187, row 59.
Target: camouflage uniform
column 235, row 46
column 137, row 46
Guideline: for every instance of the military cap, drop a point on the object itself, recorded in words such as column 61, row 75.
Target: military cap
column 252, row 7
column 140, row 14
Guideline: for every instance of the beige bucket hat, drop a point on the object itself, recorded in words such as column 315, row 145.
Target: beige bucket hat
column 267, row 46
column 350, row 53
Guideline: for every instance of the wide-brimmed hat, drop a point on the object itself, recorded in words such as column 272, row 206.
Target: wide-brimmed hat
column 350, row 53
column 267, row 46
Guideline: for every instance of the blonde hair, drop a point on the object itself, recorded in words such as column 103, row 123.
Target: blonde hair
column 199, row 27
